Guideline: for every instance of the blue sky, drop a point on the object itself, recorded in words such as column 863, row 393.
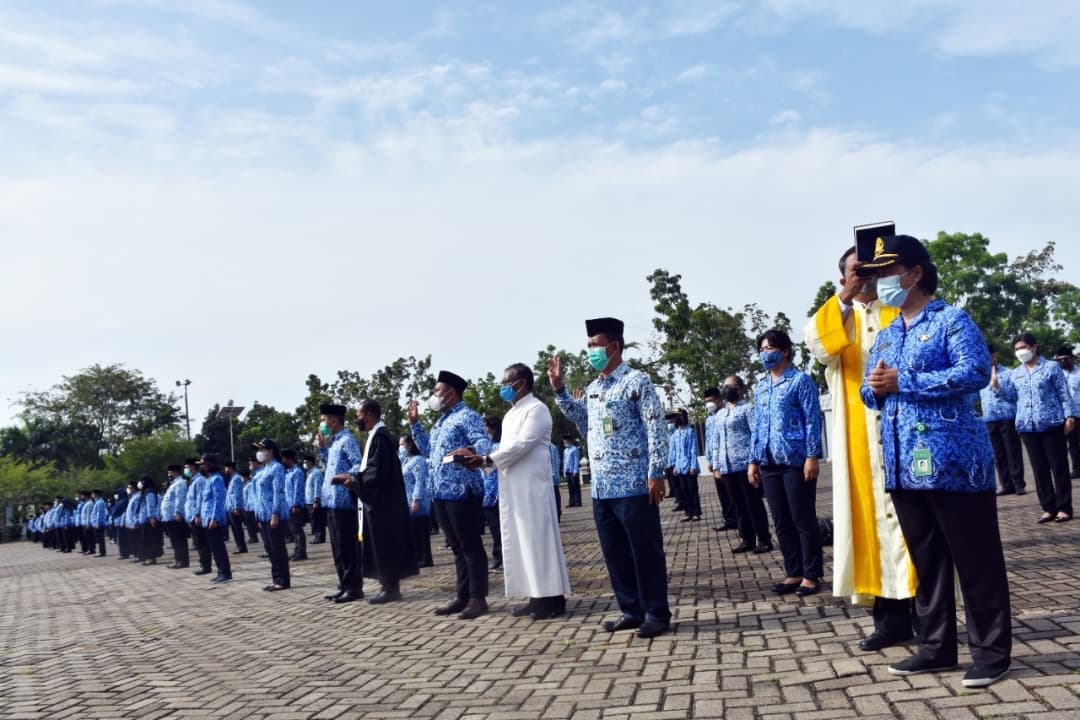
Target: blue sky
column 373, row 176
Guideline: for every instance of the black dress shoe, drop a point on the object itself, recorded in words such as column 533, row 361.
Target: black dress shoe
column 221, row 579
column 623, row 623
column 239, row 552
column 172, row 566
column 474, row 609
column 385, row 596
column 348, row 596
column 202, row 571
column 652, row 628
column 1046, row 517
column 742, row 547
column 182, row 566
column 452, row 608
column 1006, row 491
column 548, row 608
column 278, row 588
column 263, row 556
column 878, row 640
column 1063, row 518
column 803, row 591
column 763, row 548
column 524, row 610
column 1021, row 491
column 785, row 588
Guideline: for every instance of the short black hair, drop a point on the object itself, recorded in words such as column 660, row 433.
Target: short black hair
column 288, row 454
column 231, row 465
column 523, row 372
column 843, row 260
column 372, row 407
column 1026, row 338
column 712, row 392
column 494, row 424
column 1064, row 352
column 776, row 338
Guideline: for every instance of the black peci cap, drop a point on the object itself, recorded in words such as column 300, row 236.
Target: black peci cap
column 332, row 410
column 609, row 326
column 455, row 381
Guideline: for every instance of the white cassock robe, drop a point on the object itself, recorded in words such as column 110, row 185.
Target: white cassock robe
column 533, row 562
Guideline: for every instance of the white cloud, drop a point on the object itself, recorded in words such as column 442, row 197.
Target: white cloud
column 785, row 117
column 693, row 73
column 17, row 78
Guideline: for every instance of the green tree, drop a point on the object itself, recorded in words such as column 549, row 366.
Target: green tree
column 22, row 482
column 48, row 441
column 265, row 421
column 482, row 395
column 150, row 456
column 118, row 403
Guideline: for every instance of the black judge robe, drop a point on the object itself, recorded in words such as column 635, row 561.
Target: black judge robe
column 387, row 548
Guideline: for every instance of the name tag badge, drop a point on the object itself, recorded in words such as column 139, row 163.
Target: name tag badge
column 922, row 465
column 609, row 426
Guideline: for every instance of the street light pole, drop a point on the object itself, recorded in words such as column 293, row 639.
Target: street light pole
column 187, row 415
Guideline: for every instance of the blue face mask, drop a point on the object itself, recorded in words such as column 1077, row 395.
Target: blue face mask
column 770, row 358
column 402, row 453
column 890, row 292
column 671, row 427
column 598, row 358
column 507, row 392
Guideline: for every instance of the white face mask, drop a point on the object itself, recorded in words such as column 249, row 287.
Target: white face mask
column 140, row 486
column 1025, row 356
column 435, row 402
column 710, row 407
column 263, row 455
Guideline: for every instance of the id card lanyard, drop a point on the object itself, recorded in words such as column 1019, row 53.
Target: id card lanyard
column 922, row 463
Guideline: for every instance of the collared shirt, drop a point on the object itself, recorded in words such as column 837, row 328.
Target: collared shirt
column 417, row 486
column 460, row 427
column 151, row 507
column 270, row 492
column 99, row 515
column 79, row 512
column 249, row 495
column 193, row 500
column 174, row 499
column 940, row 358
column 133, row 514
column 1043, row 399
column 1072, row 379
column 234, row 495
column 623, row 419
column 1000, row 404
column 683, row 455
column 343, row 456
column 787, row 420
column 731, row 438
column 294, row 487
column 571, row 460
column 491, row 482
column 213, row 501
column 313, row 486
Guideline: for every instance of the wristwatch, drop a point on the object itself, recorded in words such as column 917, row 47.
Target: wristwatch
column 487, row 462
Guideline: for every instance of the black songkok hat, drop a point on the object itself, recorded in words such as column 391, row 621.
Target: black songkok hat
column 192, row 461
column 332, row 409
column 455, row 381
column 608, row 326
column 1064, row 352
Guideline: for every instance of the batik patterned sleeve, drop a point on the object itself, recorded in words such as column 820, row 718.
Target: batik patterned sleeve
column 968, row 369
column 811, row 407
column 652, row 417
column 574, row 410
column 420, row 437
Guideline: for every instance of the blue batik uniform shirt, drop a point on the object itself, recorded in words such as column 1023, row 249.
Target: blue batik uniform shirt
column 193, row 501
column 1072, row 380
column 940, row 358
column 234, row 496
column 343, row 456
column 133, row 514
column 684, row 457
column 313, row 486
column 174, row 499
column 1043, row 398
column 491, row 482
column 460, row 427
column 623, row 419
column 417, row 486
column 294, row 487
column 151, row 508
column 213, row 501
column 1000, row 404
column 787, row 420
column 99, row 516
column 553, row 456
column 270, row 492
column 731, row 441
column 571, row 460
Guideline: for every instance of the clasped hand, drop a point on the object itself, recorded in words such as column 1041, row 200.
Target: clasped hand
column 883, row 380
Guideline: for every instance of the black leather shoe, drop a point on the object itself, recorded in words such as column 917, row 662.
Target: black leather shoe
column 878, row 640
column 221, row 579
column 652, row 628
column 385, row 596
column 785, row 588
column 742, row 547
column 182, row 566
column 524, row 610
column 1021, row 491
column 623, row 623
column 335, row 596
column 275, row 588
column 548, row 608
column 763, row 548
column 803, row 591
column 202, row 571
column 349, row 596
column 263, row 556
column 474, row 609
column 172, row 566
column 452, row 608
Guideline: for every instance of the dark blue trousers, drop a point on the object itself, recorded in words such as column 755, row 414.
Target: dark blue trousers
column 215, row 538
column 793, row 503
column 633, row 547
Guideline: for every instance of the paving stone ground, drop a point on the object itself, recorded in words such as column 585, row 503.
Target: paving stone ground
column 99, row 638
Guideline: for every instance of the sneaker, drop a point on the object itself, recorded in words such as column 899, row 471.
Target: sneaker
column 919, row 664
column 980, row 676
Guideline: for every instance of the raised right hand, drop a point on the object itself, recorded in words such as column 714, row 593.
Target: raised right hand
column 555, row 373
column 412, row 413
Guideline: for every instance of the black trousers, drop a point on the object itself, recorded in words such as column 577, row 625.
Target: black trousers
column 178, row 537
column 675, row 486
column 633, row 547
column 296, row 524
column 491, row 517
column 896, row 619
column 946, row 530
column 135, row 542
column 99, row 540
column 421, row 530
column 236, row 523
column 85, row 544
column 344, row 526
column 793, row 502
column 728, row 507
column 153, row 544
column 749, row 506
column 1008, row 458
column 461, row 522
column 1072, row 441
column 573, row 490
column 202, row 547
column 558, row 503
column 122, row 543
column 274, row 541
column 1050, row 463
column 215, row 538
column 252, row 526
column 691, row 499
column 318, row 523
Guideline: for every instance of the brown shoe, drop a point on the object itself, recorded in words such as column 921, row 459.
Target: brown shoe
column 475, row 608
